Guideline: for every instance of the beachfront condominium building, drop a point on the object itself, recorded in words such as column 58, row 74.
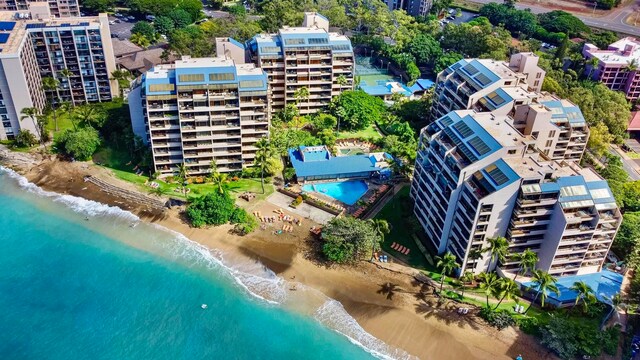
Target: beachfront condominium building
column 58, row 8
column 39, row 47
column 478, row 177
column 617, row 66
column 196, row 111
column 308, row 57
column 557, row 125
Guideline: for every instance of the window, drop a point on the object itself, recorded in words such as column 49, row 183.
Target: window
column 341, row 47
column 294, row 42
column 269, row 49
column 222, row 77
column 548, row 143
column 552, row 133
column 191, row 77
column 538, row 75
column 536, row 83
column 535, row 134
column 318, row 41
column 512, row 152
column 251, row 83
column 161, row 87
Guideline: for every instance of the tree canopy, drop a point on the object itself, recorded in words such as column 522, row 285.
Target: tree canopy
column 347, row 239
column 214, row 208
column 356, row 109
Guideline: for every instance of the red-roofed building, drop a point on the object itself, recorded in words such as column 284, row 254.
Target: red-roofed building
column 634, row 124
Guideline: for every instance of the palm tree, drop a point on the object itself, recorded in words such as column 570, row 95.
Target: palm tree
column 631, row 66
column 88, row 115
column 183, row 174
column 263, row 154
column 498, row 248
column 50, row 85
column 381, row 227
column 593, row 65
column 213, row 169
column 507, row 289
column 489, row 283
column 342, row 80
column 32, row 113
column 446, row 264
column 467, row 278
column 528, row 260
column 122, row 76
column 301, row 94
column 543, row 283
column 66, row 74
column 219, row 179
column 583, row 291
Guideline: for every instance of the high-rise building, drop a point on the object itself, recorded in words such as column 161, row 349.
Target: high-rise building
column 478, row 177
column 556, row 125
column 412, row 7
column 196, row 111
column 308, row 57
column 615, row 67
column 58, row 8
column 40, row 47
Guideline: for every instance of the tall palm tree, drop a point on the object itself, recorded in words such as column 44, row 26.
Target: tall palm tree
column 263, row 154
column 88, row 115
column 67, row 74
column 583, row 291
column 528, row 260
column 32, row 114
column 342, row 80
column 381, row 227
column 446, row 264
column 507, row 289
column 489, row 283
column 302, row 94
column 122, row 77
column 219, row 179
column 50, row 85
column 467, row 278
column 183, row 175
column 498, row 249
column 631, row 66
column 543, row 283
column 593, row 65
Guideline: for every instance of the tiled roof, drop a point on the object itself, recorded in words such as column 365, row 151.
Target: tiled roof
column 320, row 163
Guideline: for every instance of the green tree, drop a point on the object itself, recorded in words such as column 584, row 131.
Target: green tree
column 467, row 278
column 488, row 282
column 50, row 85
column 278, row 13
column 347, row 239
column 507, row 289
column 215, row 208
column 425, row 49
column 89, row 115
column 264, row 152
column 627, row 240
column 356, row 110
column 562, row 22
column 583, row 290
column 81, row 144
column 122, row 76
column 32, row 113
column 498, row 249
column 145, row 29
column 25, row 138
column 599, row 139
column 180, row 18
column 163, row 25
column 219, row 180
column 542, row 283
column 192, row 7
column 381, row 227
column 445, row 60
column 140, row 40
column 527, row 259
column 446, row 263
column 98, row 6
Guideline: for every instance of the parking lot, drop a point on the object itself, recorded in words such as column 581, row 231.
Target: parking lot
column 121, row 30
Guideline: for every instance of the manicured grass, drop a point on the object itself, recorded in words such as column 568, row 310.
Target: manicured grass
column 64, row 123
column 369, row 133
column 397, row 212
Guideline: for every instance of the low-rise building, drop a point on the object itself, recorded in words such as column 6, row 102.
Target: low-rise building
column 196, row 111
column 41, row 46
column 58, row 8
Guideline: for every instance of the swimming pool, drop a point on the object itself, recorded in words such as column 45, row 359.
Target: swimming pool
column 347, row 192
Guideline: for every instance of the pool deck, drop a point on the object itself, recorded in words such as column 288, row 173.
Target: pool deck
column 305, row 210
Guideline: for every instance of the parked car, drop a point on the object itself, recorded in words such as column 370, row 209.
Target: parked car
column 150, row 17
column 112, row 22
column 118, row 15
column 131, row 18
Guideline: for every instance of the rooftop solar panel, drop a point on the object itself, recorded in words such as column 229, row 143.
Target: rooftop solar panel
column 496, row 98
column 4, row 38
column 7, row 25
column 496, row 175
column 456, row 66
column 470, row 69
column 455, row 139
column 465, row 150
column 35, row 26
column 479, row 146
column 482, row 79
column 446, row 121
column 463, row 129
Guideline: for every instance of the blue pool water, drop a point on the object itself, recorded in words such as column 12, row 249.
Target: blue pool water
column 347, row 192
column 103, row 288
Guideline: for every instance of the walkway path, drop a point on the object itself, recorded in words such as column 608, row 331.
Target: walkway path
column 376, row 209
column 629, row 165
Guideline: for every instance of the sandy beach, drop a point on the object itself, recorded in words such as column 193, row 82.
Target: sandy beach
column 390, row 305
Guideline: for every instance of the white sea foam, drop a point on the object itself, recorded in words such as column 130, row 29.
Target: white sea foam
column 252, row 276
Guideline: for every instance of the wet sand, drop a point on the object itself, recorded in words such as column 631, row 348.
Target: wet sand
column 391, row 306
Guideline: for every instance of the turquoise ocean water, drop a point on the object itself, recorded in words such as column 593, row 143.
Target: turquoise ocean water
column 69, row 291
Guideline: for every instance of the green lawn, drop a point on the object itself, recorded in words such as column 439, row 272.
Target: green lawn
column 64, row 123
column 397, row 212
column 369, row 133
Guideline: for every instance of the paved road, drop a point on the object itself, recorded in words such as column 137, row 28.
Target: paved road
column 614, row 21
column 628, row 164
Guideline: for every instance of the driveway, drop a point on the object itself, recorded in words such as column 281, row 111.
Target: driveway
column 305, row 210
column 613, row 21
column 629, row 165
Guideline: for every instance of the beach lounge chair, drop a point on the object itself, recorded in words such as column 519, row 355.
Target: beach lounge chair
column 394, row 244
column 407, row 252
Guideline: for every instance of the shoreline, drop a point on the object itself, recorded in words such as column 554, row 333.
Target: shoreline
column 396, row 317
